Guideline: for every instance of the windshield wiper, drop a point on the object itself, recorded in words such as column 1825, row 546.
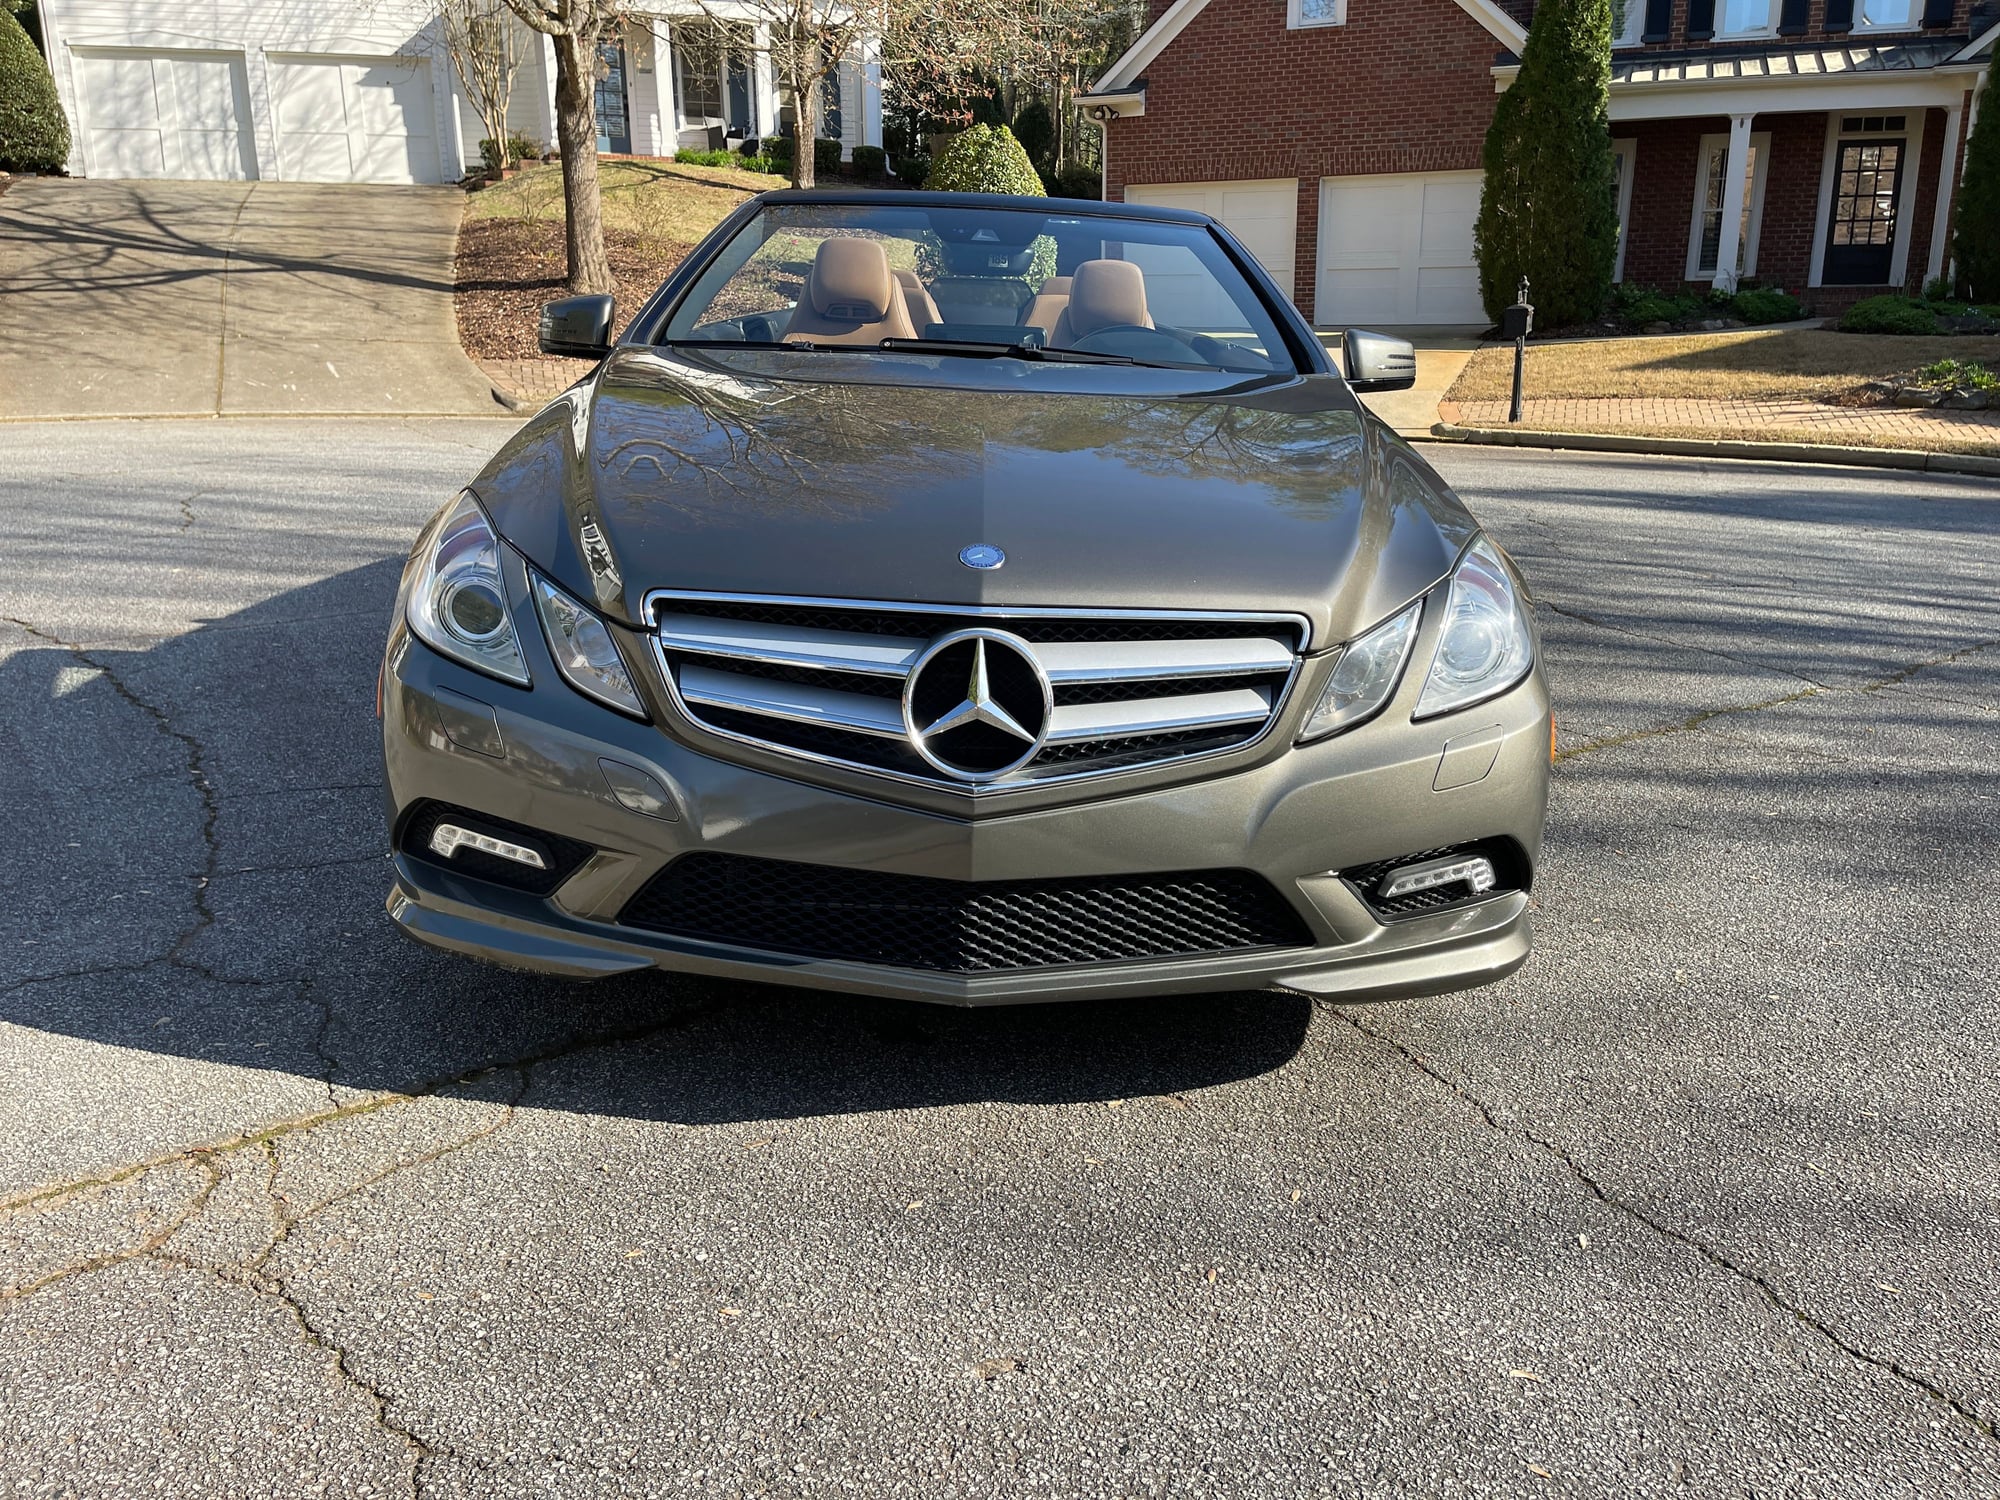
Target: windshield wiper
column 981, row 349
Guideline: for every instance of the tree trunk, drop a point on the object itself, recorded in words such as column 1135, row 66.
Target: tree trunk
column 576, row 137
column 805, row 113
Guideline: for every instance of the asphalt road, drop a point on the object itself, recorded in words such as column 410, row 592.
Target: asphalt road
column 1705, row 1201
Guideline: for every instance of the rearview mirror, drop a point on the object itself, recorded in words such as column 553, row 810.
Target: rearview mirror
column 577, row 327
column 1376, row 362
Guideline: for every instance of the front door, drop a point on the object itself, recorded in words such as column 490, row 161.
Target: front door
column 614, row 122
column 1861, row 237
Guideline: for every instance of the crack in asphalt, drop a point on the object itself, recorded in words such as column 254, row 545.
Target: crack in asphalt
column 189, row 1212
column 1696, row 721
column 1959, row 1407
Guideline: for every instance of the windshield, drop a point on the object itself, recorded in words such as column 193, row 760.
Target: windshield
column 984, row 283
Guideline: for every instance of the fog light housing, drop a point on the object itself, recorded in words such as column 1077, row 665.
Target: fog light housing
column 1475, row 872
column 448, row 838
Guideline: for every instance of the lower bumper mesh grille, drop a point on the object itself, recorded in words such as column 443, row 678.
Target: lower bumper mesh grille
column 951, row 926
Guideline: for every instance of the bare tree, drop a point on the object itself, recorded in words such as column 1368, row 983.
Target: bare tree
column 480, row 39
column 805, row 41
column 576, row 27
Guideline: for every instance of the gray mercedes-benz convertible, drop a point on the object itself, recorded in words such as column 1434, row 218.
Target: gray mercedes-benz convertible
column 971, row 599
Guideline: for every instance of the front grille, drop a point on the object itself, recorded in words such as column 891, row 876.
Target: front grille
column 825, row 680
column 959, row 927
column 1511, row 871
column 562, row 856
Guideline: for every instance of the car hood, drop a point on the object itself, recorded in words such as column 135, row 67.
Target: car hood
column 665, row 471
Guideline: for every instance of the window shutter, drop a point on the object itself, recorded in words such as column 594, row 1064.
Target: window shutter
column 1793, row 21
column 1659, row 20
column 1839, row 15
column 1938, row 12
column 1701, row 19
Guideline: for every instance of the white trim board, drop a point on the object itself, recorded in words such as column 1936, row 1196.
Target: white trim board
column 1156, row 38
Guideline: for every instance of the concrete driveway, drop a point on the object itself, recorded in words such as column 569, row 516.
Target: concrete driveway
column 1704, row 1202
column 228, row 299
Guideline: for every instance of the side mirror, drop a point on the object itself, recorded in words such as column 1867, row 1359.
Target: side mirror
column 1376, row 362
column 577, row 327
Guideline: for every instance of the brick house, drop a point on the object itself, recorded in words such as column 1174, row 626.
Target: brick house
column 1341, row 139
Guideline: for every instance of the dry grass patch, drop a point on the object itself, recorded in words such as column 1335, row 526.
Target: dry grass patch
column 1810, row 364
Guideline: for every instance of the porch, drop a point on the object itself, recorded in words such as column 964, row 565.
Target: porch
column 1828, row 174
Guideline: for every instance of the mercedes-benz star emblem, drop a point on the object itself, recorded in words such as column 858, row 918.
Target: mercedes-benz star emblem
column 977, row 704
column 983, row 556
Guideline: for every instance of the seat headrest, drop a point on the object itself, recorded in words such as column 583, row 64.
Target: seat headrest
column 1106, row 294
column 1055, row 286
column 851, row 281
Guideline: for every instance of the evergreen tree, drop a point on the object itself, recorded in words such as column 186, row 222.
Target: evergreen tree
column 34, row 136
column 1977, row 242
column 985, row 159
column 1549, row 208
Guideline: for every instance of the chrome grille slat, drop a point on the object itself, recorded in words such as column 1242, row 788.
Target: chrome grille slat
column 823, row 680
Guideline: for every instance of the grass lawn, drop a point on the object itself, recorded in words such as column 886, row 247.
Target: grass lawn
column 1769, row 364
column 510, row 247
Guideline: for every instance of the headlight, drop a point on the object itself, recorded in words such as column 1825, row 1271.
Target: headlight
column 584, row 651
column 1366, row 676
column 1486, row 645
column 458, row 601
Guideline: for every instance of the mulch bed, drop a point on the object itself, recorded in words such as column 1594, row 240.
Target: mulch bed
column 507, row 268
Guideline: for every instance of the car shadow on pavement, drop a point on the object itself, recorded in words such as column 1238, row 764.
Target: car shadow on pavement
column 203, row 876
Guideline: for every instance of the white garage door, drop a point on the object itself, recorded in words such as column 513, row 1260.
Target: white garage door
column 1398, row 250
column 164, row 114
column 355, row 119
column 1264, row 215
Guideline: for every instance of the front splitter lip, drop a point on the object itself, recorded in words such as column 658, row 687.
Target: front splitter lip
column 1478, row 945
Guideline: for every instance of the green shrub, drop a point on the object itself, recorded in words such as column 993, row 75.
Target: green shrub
column 870, row 161
column 1074, row 181
column 1035, row 129
column 762, row 164
column 779, row 148
column 1889, row 314
column 985, row 160
column 34, row 136
column 689, row 157
column 1938, row 289
column 1977, row 242
column 1549, row 207
column 1959, row 374
column 826, row 158
column 915, row 170
column 1766, row 305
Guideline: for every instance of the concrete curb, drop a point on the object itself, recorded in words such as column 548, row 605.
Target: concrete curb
column 1790, row 453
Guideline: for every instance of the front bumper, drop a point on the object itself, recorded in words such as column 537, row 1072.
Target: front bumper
column 533, row 757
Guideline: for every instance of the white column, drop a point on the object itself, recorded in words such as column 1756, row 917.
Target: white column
column 1947, row 189
column 871, row 91
column 650, row 92
column 548, row 91
column 667, row 83
column 764, row 83
column 1735, row 188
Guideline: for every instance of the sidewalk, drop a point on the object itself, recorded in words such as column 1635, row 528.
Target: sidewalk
column 1927, row 430
column 1442, row 354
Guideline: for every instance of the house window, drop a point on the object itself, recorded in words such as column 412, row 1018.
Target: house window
column 1747, row 18
column 1624, row 161
column 1315, row 13
column 1628, row 21
column 1885, row 15
column 1714, row 197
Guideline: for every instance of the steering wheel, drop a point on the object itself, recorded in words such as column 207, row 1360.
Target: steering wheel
column 1135, row 342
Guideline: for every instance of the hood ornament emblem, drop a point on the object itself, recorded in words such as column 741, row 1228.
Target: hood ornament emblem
column 983, row 556
column 978, row 704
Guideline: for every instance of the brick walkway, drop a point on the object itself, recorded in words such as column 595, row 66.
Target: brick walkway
column 1753, row 421
column 534, row 381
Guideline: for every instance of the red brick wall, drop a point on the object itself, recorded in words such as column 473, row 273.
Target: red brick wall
column 1923, row 212
column 1403, row 87
column 1791, row 199
column 1656, row 244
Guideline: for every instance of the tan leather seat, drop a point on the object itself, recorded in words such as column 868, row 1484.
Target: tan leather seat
column 1102, row 294
column 917, row 297
column 851, row 297
column 1046, row 309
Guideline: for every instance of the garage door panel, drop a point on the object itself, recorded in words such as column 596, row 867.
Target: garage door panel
column 164, row 114
column 355, row 119
column 1263, row 214
column 1398, row 249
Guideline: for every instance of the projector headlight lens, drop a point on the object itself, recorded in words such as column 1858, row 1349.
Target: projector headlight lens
column 1487, row 644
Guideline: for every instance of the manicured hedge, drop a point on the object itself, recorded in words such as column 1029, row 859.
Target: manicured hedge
column 985, row 159
column 34, row 136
